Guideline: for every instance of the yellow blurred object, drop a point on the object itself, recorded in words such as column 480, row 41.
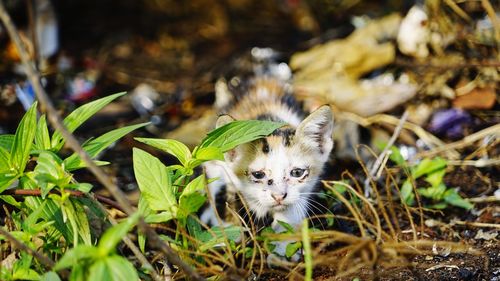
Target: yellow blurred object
column 11, row 52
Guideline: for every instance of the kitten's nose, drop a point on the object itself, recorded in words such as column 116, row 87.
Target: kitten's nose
column 279, row 197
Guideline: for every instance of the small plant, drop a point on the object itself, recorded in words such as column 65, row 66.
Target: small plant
column 433, row 171
column 49, row 218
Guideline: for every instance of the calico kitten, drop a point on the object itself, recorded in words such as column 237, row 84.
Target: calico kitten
column 276, row 175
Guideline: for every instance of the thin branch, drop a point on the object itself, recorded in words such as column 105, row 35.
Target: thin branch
column 383, row 155
column 73, row 143
column 493, row 130
column 74, row 193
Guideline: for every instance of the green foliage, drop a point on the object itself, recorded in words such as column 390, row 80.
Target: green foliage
column 433, row 171
column 60, row 220
column 101, row 262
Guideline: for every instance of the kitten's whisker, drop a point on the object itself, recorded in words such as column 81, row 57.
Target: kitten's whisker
column 309, row 207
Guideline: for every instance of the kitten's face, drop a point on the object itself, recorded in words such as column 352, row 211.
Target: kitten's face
column 281, row 170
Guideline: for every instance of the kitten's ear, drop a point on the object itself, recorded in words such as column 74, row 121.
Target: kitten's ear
column 315, row 132
column 223, row 120
column 223, row 96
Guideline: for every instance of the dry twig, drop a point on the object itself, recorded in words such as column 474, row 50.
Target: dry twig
column 384, row 154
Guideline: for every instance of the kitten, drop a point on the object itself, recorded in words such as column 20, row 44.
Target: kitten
column 276, row 175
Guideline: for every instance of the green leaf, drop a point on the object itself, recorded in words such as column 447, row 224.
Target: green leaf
column 95, row 146
column 79, row 116
column 235, row 133
column 154, row 181
column 453, row 198
column 292, row 248
column 288, row 228
column 78, row 220
column 76, row 255
column 427, row 166
column 191, row 198
column 4, row 160
column 50, row 276
column 145, row 211
column 209, row 153
column 6, row 141
column 6, row 180
column 407, row 196
column 173, row 147
column 217, row 235
column 42, row 138
column 435, row 178
column 23, row 140
column 438, row 206
column 113, row 268
column 10, row 200
column 161, row 217
column 49, row 172
column 115, row 234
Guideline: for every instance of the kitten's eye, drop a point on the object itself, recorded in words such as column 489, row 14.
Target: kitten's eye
column 258, row 175
column 297, row 172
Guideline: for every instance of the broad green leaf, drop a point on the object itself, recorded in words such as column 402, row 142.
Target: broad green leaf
column 113, row 268
column 76, row 255
column 235, row 133
column 435, row 178
column 286, row 226
column 191, row 198
column 218, row 235
column 50, row 276
column 154, row 181
column 173, row 147
column 292, row 248
column 25, row 274
column 194, row 228
column 10, row 200
column 83, row 187
column 6, row 180
column 23, row 140
column 95, row 146
column 42, row 138
column 209, row 153
column 78, row 220
column 4, row 160
column 115, row 234
column 6, row 141
column 427, row 166
column 407, row 195
column 231, row 232
column 453, row 198
column 145, row 211
column 438, row 206
column 49, row 172
column 161, row 217
column 79, row 116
